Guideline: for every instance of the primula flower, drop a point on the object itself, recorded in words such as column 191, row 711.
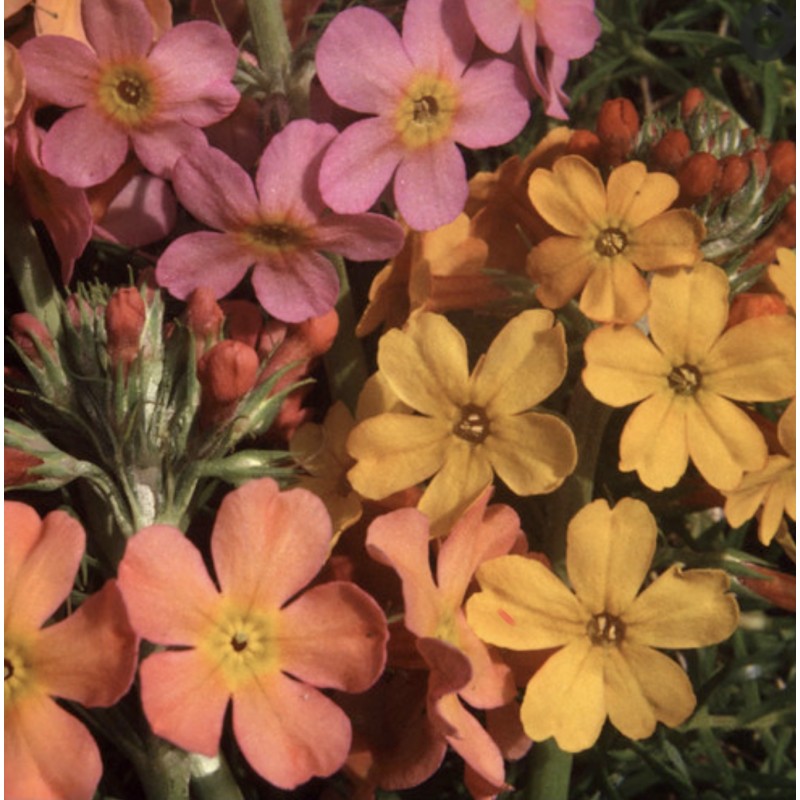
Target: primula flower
column 685, row 376
column 771, row 488
column 609, row 232
column 564, row 29
column 424, row 99
column 279, row 225
column 469, row 426
column 606, row 665
column 254, row 640
column 127, row 91
column 783, row 275
column 89, row 658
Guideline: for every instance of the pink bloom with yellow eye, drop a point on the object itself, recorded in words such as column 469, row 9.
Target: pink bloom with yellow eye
column 423, row 99
column 127, row 92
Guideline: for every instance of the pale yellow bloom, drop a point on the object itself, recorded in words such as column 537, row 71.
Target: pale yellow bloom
column 784, row 275
column 607, row 665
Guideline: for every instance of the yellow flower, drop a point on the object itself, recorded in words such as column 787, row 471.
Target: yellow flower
column 609, row 232
column 606, row 666
column 685, row 377
column 772, row 489
column 469, row 426
column 783, row 275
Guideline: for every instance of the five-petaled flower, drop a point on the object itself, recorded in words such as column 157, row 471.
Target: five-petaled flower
column 278, row 226
column 685, row 376
column 606, row 631
column 127, row 91
column 254, row 640
column 423, row 98
column 469, row 426
column 608, row 231
column 88, row 657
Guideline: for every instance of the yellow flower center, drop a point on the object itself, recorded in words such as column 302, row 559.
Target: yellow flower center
column 527, row 5
column 274, row 237
column 684, row 380
column 605, row 629
column 425, row 114
column 473, row 425
column 17, row 670
column 610, row 242
column 126, row 93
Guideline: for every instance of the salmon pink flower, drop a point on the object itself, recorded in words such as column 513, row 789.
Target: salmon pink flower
column 89, row 658
column 423, row 99
column 278, row 225
column 127, row 91
column 253, row 640
column 563, row 29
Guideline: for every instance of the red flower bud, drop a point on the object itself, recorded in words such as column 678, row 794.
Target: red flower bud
column 204, row 318
column 697, row 177
column 16, row 465
column 733, row 174
column 25, row 328
column 781, row 160
column 584, row 143
column 748, row 305
column 670, row 151
column 691, row 100
column 777, row 587
column 243, row 321
column 617, row 127
column 227, row 372
column 125, row 317
column 759, row 160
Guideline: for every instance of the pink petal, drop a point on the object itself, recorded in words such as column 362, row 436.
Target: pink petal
column 169, row 596
column 91, row 656
column 334, row 637
column 142, row 213
column 215, row 190
column 430, row 187
column 194, row 64
column 49, row 755
column 215, row 260
column 360, row 237
column 160, row 146
column 438, row 36
column 486, row 88
column 59, row 70
column 118, row 29
column 358, row 165
column 267, row 545
column 496, row 22
column 289, row 732
column 184, row 699
column 83, row 148
column 568, row 29
column 288, row 173
column 361, row 61
column 296, row 286
column 41, row 565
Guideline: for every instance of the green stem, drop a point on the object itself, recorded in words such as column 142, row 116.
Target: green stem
column 212, row 779
column 549, row 769
column 272, row 41
column 164, row 773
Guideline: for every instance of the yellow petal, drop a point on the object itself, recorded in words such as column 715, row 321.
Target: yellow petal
column 561, row 266
column 566, row 698
column 609, row 552
column 753, row 361
column 525, row 364
column 615, row 292
column 376, row 397
column 643, row 687
column 522, row 605
column 571, row 197
column 532, row 453
column 426, row 365
column 623, row 366
column 394, row 452
column 635, row 196
column 784, row 275
column 671, row 239
column 654, row 442
column 688, row 310
column 723, row 441
column 691, row 608
column 743, row 501
column 780, row 499
column 787, row 429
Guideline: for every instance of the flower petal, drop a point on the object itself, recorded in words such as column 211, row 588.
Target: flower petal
column 359, row 237
column 59, row 70
column 615, row 292
column 497, row 23
column 267, row 545
column 524, row 364
column 671, row 239
column 636, row 195
column 438, row 36
column 531, row 453
column 167, row 590
column 568, row 29
column 161, row 146
column 691, row 608
column 609, row 552
column 566, row 698
column 119, row 29
column 289, row 732
column 561, row 265
column 522, row 605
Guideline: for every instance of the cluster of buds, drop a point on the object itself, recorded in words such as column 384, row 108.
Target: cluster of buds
column 148, row 412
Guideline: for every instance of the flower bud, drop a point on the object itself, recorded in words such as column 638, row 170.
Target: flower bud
column 669, row 153
column 617, row 128
column 125, row 317
column 733, row 174
column 584, row 143
column 30, row 335
column 227, row 372
column 692, row 98
column 204, row 318
column 697, row 178
column 777, row 587
column 782, row 169
column 758, row 158
column 243, row 321
column 17, row 465
column 748, row 305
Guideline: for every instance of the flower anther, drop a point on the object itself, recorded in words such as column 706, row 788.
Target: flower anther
column 610, row 242
column 605, row 629
column 473, row 425
column 126, row 93
column 425, row 113
column 685, row 380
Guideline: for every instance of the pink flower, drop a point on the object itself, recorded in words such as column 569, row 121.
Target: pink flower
column 89, row 657
column 256, row 640
column 424, row 99
column 563, row 29
column 128, row 91
column 278, row 226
